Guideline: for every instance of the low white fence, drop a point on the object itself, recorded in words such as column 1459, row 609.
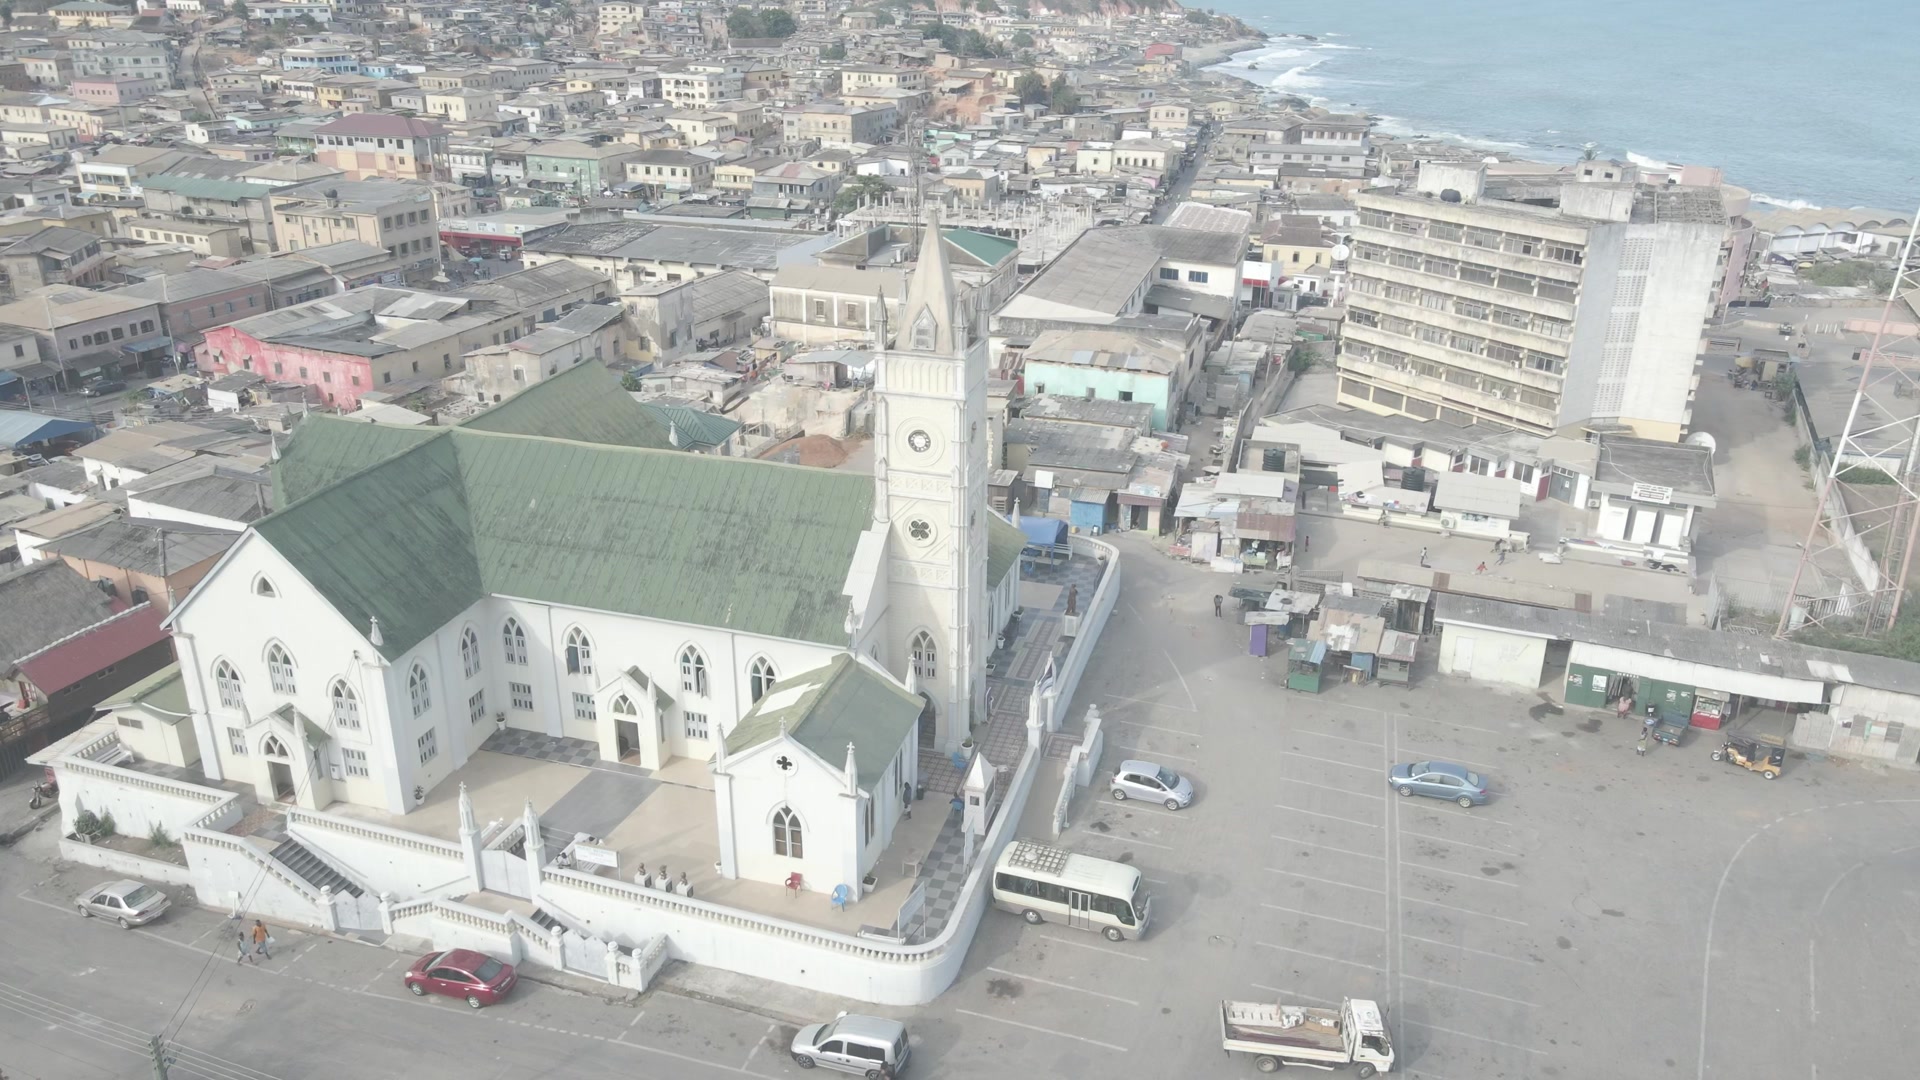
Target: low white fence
column 451, row 924
column 1083, row 761
column 381, row 859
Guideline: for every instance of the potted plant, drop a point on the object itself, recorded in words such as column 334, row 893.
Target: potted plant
column 500, row 721
column 866, row 885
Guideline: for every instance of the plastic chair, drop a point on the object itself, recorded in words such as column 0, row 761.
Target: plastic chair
column 793, row 884
column 841, row 894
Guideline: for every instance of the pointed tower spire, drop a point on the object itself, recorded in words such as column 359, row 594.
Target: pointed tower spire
column 853, row 773
column 880, row 319
column 929, row 308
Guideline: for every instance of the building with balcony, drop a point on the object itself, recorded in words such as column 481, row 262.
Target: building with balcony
column 1581, row 314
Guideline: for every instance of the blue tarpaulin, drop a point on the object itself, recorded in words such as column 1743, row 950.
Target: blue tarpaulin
column 1044, row 532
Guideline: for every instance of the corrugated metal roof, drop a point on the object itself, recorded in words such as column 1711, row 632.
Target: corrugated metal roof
column 826, row 708
column 585, row 403
column 744, row 545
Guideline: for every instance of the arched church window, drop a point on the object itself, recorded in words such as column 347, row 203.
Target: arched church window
column 924, row 655
column 787, row 840
column 760, row 678
column 693, row 672
column 579, row 652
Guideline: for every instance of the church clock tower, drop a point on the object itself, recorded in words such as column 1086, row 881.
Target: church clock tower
column 930, row 491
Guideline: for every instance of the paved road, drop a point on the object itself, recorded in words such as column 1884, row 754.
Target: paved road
column 1562, row 931
column 78, row 999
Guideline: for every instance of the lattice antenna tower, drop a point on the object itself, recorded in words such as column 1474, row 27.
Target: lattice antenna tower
column 1853, row 569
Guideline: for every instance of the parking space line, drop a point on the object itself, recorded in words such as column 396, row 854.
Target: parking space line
column 1062, row 986
column 1043, row 1031
column 1451, row 810
column 1127, row 839
column 1476, row 1038
column 1144, row 701
column 1326, row 847
column 1329, row 761
column 1335, row 790
column 758, row 1043
column 1339, row 738
column 1329, row 918
column 1318, row 956
column 1421, row 868
column 1151, row 808
column 1154, row 881
column 1291, row 994
column 1151, row 754
column 1158, row 727
column 1528, row 961
column 1469, row 990
column 1096, row 948
column 1327, row 881
column 1461, row 910
column 1437, row 720
column 1330, row 817
column 1459, row 843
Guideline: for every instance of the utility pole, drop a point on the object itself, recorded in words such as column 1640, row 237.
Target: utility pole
column 157, row 1053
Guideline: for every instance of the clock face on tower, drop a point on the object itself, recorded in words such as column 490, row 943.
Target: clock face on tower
column 919, row 441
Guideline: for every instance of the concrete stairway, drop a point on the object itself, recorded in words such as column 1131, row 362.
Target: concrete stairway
column 296, row 857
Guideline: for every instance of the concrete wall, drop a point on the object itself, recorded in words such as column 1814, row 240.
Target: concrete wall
column 702, row 933
column 384, row 860
column 137, row 801
column 126, row 864
column 1492, row 655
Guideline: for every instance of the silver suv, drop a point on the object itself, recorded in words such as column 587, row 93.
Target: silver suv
column 1155, row 783
column 852, row 1043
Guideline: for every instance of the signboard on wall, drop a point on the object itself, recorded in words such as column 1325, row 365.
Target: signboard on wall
column 1652, row 493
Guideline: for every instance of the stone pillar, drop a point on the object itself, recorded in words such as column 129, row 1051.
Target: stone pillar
column 536, row 849
column 329, row 918
column 470, row 839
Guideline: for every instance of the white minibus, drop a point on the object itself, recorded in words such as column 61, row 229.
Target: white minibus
column 1043, row 883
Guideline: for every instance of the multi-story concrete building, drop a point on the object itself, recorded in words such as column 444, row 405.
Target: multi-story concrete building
column 615, row 16
column 698, row 128
column 701, row 87
column 1585, row 314
column 840, row 126
column 373, row 145
column 392, row 215
column 333, row 59
column 581, row 168
column 670, row 170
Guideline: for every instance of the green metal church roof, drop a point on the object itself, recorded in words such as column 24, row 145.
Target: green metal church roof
column 826, row 708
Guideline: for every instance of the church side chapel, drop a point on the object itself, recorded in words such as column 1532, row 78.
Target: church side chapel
column 553, row 573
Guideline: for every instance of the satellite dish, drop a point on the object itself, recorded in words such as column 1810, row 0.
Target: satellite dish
column 1701, row 438
column 1341, row 252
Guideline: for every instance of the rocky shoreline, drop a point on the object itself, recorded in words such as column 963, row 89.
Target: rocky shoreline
column 1208, row 55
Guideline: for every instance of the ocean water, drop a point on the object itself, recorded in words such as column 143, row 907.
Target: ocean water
column 1801, row 104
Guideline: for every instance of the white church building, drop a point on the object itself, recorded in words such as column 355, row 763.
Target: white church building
column 554, row 565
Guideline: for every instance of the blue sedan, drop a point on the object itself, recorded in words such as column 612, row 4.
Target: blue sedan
column 1439, row 779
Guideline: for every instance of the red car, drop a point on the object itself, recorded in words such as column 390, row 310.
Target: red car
column 461, row 973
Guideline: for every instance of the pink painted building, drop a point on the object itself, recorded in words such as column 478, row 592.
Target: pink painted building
column 367, row 339
column 114, row 89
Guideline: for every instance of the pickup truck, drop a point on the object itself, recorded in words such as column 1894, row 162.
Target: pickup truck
column 1278, row 1034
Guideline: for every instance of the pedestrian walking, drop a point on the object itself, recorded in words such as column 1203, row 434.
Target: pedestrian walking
column 1306, row 543
column 1423, row 556
column 1641, row 747
column 262, row 941
column 1500, row 559
column 1481, row 569
column 1217, row 599
column 242, row 943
